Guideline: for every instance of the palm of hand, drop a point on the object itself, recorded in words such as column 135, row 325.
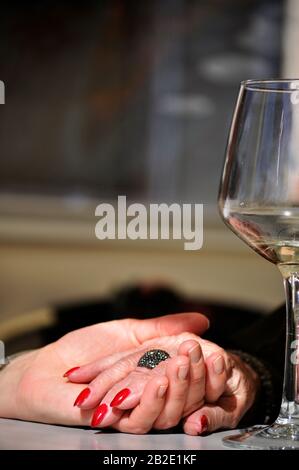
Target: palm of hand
column 41, row 392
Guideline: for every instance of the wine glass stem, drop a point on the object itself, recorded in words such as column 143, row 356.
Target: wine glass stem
column 289, row 412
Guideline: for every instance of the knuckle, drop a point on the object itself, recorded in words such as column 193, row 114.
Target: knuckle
column 187, row 336
column 231, row 421
column 230, row 425
column 197, row 381
column 180, row 395
column 234, row 421
column 221, row 351
column 123, row 366
column 217, row 420
column 167, row 423
column 192, row 407
column 138, row 430
column 181, row 338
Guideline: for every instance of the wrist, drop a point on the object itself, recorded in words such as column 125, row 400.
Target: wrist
column 10, row 378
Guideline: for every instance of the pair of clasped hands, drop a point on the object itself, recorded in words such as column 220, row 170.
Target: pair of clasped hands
column 91, row 377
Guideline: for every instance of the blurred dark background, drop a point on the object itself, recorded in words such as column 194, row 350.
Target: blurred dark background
column 105, row 98
column 114, row 97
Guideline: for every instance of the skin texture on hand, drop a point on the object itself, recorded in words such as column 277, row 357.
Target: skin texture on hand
column 188, row 387
column 225, row 404
column 221, row 394
column 32, row 386
column 239, row 395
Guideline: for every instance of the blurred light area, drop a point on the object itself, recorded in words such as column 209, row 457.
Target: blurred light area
column 261, row 27
column 290, row 40
column 135, row 98
column 122, row 97
column 227, row 67
column 187, row 106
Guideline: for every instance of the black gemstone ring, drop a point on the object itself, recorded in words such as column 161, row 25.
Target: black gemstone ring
column 152, row 358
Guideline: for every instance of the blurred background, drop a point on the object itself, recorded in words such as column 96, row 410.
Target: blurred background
column 124, row 97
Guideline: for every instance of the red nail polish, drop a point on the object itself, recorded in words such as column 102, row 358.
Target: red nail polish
column 82, row 396
column 120, row 397
column 69, row 372
column 99, row 415
column 204, row 423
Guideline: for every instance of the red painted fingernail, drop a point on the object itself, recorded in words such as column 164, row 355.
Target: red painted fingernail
column 82, row 396
column 99, row 415
column 120, row 397
column 69, row 372
column 204, row 423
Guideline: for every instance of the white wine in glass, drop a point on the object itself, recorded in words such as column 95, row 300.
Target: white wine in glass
column 259, row 201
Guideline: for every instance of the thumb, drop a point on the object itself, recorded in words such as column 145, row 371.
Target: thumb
column 169, row 325
column 213, row 417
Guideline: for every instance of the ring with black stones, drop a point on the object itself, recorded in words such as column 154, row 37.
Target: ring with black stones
column 152, row 358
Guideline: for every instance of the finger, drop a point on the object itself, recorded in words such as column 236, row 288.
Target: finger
column 92, row 395
column 98, row 387
column 57, row 410
column 142, row 418
column 125, row 394
column 225, row 414
column 196, row 389
column 177, row 370
column 217, row 374
column 141, row 331
column 105, row 380
column 87, row 372
column 168, row 325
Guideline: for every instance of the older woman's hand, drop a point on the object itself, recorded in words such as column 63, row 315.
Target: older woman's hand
column 240, row 392
column 120, row 386
column 32, row 386
column 218, row 385
column 239, row 395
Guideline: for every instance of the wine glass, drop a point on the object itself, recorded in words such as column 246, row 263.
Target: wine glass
column 259, row 201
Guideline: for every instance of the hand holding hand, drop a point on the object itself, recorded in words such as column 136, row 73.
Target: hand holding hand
column 32, row 386
column 121, row 385
column 218, row 385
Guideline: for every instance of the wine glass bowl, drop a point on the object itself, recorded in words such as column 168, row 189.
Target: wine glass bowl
column 259, row 202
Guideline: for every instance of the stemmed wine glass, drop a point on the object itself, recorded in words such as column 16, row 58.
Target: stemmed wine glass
column 259, row 201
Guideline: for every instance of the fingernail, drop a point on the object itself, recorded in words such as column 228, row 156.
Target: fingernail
column 69, row 372
column 204, row 423
column 162, row 390
column 218, row 365
column 183, row 372
column 120, row 397
column 82, row 396
column 195, row 354
column 99, row 415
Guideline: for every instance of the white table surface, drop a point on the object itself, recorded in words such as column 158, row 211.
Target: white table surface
column 23, row 435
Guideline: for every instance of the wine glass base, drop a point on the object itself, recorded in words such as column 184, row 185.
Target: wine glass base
column 275, row 437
